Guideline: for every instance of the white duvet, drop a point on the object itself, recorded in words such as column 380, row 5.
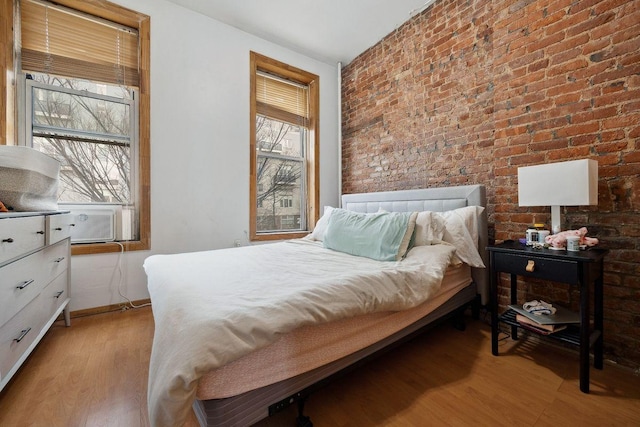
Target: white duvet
column 213, row 307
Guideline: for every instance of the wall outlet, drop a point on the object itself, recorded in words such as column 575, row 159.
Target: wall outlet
column 237, row 243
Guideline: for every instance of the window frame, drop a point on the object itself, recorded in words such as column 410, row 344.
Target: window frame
column 261, row 63
column 8, row 108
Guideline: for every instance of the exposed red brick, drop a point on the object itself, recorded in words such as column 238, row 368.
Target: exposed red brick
column 582, row 5
column 466, row 92
column 568, row 22
column 613, row 135
column 608, row 5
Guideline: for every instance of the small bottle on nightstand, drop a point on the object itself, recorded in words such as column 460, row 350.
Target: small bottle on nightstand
column 542, row 232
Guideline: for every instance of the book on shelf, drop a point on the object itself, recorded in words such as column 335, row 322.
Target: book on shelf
column 527, row 323
column 561, row 316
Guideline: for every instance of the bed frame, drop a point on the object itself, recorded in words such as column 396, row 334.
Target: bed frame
column 249, row 408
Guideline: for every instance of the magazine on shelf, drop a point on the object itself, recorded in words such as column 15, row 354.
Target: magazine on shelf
column 537, row 327
column 561, row 316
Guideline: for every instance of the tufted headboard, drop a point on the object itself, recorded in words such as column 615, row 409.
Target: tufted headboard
column 432, row 199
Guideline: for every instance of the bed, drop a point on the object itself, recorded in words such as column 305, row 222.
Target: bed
column 243, row 365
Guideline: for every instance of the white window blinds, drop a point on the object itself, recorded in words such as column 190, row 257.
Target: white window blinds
column 61, row 41
column 282, row 100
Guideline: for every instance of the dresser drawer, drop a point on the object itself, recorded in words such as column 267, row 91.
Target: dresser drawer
column 20, row 282
column 55, row 259
column 58, row 227
column 54, row 295
column 20, row 235
column 18, row 334
column 558, row 270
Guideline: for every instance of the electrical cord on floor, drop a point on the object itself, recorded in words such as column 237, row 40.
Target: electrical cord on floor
column 485, row 317
column 119, row 269
column 502, row 334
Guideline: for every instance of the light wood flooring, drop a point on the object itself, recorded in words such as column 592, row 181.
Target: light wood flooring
column 95, row 374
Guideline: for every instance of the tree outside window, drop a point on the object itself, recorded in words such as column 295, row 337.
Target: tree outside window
column 86, row 126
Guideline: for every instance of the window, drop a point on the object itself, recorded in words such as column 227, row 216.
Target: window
column 286, row 202
column 284, row 150
column 88, row 132
column 85, row 102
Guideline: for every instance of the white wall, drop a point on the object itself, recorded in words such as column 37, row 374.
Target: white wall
column 200, row 145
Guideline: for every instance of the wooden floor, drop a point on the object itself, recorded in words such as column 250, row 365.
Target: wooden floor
column 95, row 374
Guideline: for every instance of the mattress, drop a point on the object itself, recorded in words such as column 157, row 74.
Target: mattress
column 310, row 347
column 248, row 408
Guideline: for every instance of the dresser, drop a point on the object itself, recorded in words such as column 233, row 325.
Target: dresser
column 34, row 282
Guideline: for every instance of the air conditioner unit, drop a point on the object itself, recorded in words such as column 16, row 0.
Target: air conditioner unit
column 93, row 223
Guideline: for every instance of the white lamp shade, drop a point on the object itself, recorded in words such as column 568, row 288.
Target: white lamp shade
column 572, row 183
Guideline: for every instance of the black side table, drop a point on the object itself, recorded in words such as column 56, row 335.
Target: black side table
column 574, row 268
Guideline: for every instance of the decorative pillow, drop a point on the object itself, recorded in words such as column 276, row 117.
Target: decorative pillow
column 321, row 225
column 383, row 236
column 409, row 239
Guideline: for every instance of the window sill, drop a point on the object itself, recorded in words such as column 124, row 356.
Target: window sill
column 279, row 236
column 108, row 247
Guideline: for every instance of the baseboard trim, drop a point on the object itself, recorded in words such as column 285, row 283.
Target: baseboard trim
column 108, row 308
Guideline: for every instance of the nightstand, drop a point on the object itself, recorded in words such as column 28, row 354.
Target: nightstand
column 580, row 269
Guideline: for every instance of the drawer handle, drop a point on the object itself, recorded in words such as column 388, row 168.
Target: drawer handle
column 9, row 240
column 59, row 294
column 59, row 259
column 22, row 335
column 58, row 229
column 39, row 232
column 25, row 284
column 531, row 265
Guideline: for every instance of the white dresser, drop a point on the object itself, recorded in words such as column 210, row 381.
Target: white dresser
column 35, row 254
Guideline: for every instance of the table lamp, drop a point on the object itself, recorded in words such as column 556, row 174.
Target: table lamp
column 570, row 183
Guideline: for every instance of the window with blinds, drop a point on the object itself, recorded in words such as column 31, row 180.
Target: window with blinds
column 284, row 150
column 81, row 92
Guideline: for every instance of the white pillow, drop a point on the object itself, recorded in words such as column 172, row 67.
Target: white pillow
column 461, row 230
column 429, row 229
column 321, row 225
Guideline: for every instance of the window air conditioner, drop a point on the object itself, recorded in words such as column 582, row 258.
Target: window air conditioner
column 93, row 222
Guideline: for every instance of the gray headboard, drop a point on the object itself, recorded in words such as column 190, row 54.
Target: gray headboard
column 432, row 199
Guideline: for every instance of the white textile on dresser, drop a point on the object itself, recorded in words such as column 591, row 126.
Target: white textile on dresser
column 212, row 307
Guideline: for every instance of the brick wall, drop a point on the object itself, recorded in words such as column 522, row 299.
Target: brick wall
column 468, row 91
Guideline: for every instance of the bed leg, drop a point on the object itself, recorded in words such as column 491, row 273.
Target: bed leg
column 302, row 421
column 475, row 307
column 458, row 321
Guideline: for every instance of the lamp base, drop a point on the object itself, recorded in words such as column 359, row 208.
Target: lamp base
column 555, row 220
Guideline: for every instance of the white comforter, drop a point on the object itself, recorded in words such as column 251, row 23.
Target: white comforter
column 213, row 307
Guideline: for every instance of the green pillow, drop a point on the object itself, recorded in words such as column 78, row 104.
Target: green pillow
column 383, row 236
